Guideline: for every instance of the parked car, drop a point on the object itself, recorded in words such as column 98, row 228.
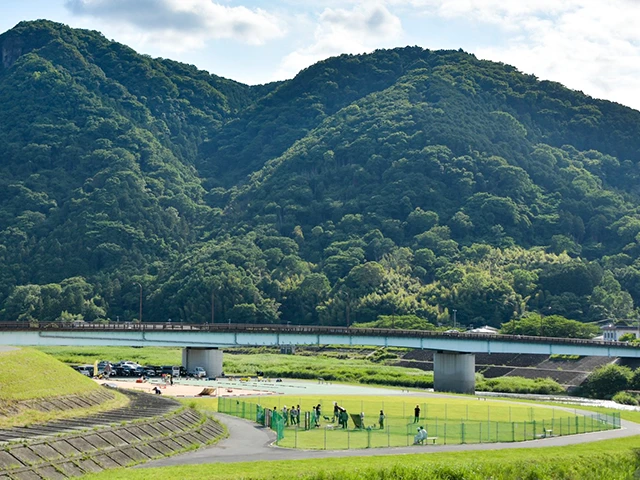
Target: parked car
column 85, row 370
column 198, row 372
column 125, row 370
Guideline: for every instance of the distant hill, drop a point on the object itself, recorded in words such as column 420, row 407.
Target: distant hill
column 406, row 181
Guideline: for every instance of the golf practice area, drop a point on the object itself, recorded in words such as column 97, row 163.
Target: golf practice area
column 446, row 420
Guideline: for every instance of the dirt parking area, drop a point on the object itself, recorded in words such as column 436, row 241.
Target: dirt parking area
column 180, row 390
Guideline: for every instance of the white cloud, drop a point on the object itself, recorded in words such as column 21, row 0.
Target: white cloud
column 360, row 29
column 180, row 24
column 589, row 45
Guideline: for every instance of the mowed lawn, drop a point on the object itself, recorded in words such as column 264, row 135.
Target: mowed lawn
column 610, row 460
column 447, row 420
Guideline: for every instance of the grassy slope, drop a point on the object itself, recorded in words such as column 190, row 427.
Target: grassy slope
column 27, row 374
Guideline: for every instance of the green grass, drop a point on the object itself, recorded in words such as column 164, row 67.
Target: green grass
column 28, row 374
column 610, row 459
column 452, row 420
column 88, row 355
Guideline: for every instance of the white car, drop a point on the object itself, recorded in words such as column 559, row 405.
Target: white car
column 198, row 372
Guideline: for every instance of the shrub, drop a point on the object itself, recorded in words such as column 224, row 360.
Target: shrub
column 625, row 398
column 543, row 386
column 606, row 381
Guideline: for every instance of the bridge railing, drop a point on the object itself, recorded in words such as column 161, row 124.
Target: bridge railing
column 294, row 329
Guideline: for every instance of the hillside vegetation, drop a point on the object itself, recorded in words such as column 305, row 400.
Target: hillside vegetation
column 403, row 182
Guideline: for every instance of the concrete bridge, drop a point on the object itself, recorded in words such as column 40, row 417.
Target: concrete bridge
column 453, row 364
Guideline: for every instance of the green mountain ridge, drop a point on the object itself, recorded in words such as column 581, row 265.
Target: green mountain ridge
column 402, row 182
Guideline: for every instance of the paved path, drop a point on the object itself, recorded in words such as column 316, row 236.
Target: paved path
column 250, row 442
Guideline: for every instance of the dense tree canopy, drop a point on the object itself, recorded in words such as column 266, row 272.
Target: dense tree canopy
column 406, row 184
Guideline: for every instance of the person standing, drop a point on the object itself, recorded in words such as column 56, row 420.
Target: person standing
column 336, row 412
column 416, row 414
column 381, row 420
column 285, row 415
column 298, row 414
column 318, row 413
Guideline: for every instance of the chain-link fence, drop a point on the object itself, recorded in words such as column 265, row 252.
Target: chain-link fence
column 327, row 432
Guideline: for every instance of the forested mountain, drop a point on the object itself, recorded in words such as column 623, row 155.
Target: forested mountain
column 404, row 182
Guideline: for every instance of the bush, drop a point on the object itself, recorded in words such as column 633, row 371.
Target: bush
column 625, row 398
column 606, row 381
column 542, row 386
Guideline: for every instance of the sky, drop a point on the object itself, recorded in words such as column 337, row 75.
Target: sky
column 588, row 45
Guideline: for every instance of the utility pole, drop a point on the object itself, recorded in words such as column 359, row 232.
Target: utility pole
column 212, row 306
column 454, row 317
column 140, row 316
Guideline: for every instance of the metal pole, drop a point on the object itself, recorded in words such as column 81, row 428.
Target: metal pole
column 140, row 315
column 212, row 307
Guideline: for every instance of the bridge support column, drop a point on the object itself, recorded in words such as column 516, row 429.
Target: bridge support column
column 454, row 372
column 208, row 358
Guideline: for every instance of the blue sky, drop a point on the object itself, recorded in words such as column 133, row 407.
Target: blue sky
column 588, row 45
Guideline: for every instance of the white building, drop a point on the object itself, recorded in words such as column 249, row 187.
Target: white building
column 612, row 333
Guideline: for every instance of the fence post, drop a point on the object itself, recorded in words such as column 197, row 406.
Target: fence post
column 488, row 423
column 436, row 426
column 577, row 425
column 497, row 433
column 462, row 431
column 369, row 438
column 388, row 436
column 348, row 437
column 325, row 438
column 584, row 424
column 534, row 430
column 480, row 434
column 296, row 437
column 513, row 431
column 445, row 433
column 525, row 431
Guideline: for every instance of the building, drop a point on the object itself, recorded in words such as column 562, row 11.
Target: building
column 612, row 332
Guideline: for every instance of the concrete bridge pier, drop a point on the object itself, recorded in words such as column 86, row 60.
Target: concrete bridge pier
column 454, row 372
column 208, row 358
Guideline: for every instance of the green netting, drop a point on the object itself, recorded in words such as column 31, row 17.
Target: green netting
column 401, row 430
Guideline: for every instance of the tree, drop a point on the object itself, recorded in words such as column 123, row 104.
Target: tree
column 534, row 324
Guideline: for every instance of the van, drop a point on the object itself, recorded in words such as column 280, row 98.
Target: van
column 171, row 370
column 198, row 372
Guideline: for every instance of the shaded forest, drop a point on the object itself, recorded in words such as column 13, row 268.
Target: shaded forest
column 406, row 182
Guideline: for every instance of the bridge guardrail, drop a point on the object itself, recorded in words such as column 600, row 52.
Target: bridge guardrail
column 295, row 329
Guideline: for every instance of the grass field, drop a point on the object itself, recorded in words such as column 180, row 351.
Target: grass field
column 143, row 356
column 610, row 460
column 447, row 420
